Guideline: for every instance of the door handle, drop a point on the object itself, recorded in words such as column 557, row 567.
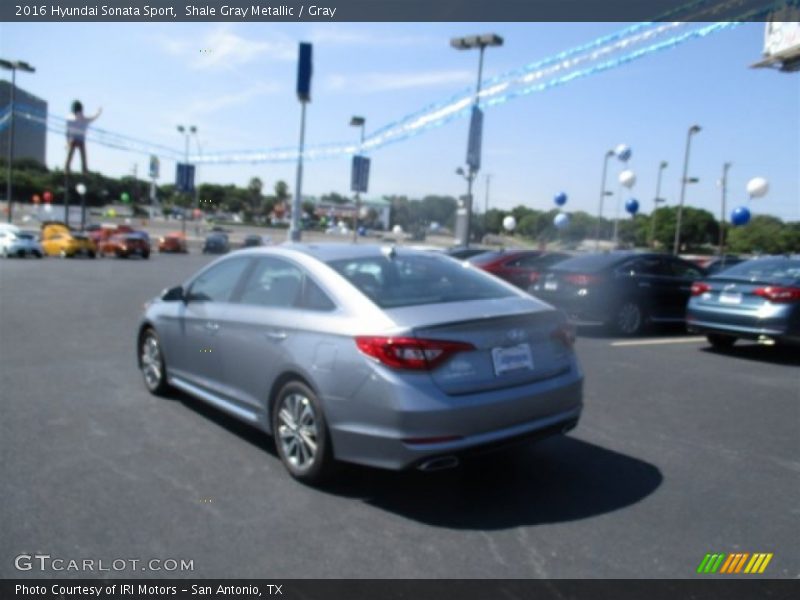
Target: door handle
column 276, row 335
column 211, row 326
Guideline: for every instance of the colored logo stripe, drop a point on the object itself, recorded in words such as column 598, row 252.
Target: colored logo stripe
column 734, row 563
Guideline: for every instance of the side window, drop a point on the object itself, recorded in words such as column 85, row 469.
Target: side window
column 273, row 282
column 218, row 283
column 644, row 266
column 314, row 298
column 685, row 270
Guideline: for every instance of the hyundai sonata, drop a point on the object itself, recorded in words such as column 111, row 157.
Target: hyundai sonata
column 381, row 356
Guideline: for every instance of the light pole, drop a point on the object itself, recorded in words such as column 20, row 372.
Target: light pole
column 186, row 131
column 81, row 189
column 656, row 201
column 724, row 184
column 603, row 194
column 13, row 66
column 486, row 200
column 476, row 123
column 358, row 122
column 684, row 180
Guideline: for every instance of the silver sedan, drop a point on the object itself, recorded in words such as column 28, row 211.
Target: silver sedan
column 374, row 355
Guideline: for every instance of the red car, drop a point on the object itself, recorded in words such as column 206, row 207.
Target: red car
column 102, row 233
column 124, row 245
column 173, row 242
column 520, row 267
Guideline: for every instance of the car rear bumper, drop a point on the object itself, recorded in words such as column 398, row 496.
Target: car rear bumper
column 741, row 324
column 476, row 421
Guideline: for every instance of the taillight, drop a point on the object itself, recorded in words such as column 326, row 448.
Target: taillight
column 564, row 333
column 698, row 288
column 410, row 353
column 778, row 294
column 581, row 279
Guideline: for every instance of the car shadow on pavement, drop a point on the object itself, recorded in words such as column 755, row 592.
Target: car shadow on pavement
column 653, row 330
column 560, row 479
column 778, row 355
column 555, row 480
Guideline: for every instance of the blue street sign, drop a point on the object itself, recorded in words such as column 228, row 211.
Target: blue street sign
column 475, row 139
column 359, row 174
column 184, row 178
column 154, row 166
column 304, row 69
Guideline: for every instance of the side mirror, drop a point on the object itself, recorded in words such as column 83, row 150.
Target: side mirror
column 174, row 294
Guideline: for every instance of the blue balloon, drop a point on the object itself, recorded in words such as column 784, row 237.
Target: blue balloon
column 740, row 216
column 632, row 206
column 560, row 199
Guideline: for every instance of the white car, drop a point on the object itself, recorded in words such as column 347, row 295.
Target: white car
column 20, row 243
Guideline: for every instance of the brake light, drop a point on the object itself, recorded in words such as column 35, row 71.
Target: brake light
column 410, row 353
column 698, row 288
column 564, row 333
column 778, row 294
column 582, row 279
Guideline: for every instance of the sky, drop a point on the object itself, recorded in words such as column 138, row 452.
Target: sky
column 236, row 83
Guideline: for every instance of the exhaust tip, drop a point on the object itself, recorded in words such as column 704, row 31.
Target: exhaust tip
column 438, row 464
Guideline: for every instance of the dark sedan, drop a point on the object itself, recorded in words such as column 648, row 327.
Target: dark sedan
column 216, row 243
column 758, row 300
column 252, row 240
column 520, row 267
column 623, row 291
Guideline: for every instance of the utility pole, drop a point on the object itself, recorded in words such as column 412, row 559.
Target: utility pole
column 725, row 169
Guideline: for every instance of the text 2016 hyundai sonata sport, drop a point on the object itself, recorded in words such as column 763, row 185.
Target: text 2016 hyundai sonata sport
column 373, row 355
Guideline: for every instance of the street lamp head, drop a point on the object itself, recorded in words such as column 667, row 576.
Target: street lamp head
column 694, row 129
column 193, row 129
column 459, row 171
column 23, row 66
column 664, row 164
column 476, row 41
column 491, row 39
column 181, row 128
column 357, row 121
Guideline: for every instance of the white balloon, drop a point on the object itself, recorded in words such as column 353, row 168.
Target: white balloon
column 509, row 223
column 561, row 220
column 757, row 187
column 81, row 189
column 627, row 178
column 397, row 230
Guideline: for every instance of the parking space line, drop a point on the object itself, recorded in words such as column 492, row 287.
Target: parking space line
column 684, row 340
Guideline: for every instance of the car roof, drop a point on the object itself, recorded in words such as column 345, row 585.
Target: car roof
column 338, row 251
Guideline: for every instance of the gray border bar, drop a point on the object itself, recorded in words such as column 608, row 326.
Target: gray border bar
column 387, row 10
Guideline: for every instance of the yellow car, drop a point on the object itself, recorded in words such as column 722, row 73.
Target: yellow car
column 58, row 240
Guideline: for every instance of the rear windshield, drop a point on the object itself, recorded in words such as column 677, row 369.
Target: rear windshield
column 765, row 269
column 588, row 263
column 417, row 279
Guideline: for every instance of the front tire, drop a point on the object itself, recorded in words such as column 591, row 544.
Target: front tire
column 151, row 362
column 720, row 341
column 301, row 435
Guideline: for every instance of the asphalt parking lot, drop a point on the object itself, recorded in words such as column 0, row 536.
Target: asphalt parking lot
column 681, row 451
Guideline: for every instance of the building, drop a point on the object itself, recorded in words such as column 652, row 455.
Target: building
column 30, row 132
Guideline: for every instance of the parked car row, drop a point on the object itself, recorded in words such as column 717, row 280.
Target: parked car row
column 726, row 298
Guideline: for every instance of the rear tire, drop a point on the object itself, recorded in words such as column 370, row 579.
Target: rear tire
column 629, row 319
column 91, row 254
column 146, row 255
column 720, row 341
column 301, row 434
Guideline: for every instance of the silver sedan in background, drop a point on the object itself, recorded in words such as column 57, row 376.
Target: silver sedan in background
column 374, row 355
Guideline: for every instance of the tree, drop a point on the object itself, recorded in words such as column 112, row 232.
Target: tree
column 254, row 189
column 765, row 234
column 281, row 191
